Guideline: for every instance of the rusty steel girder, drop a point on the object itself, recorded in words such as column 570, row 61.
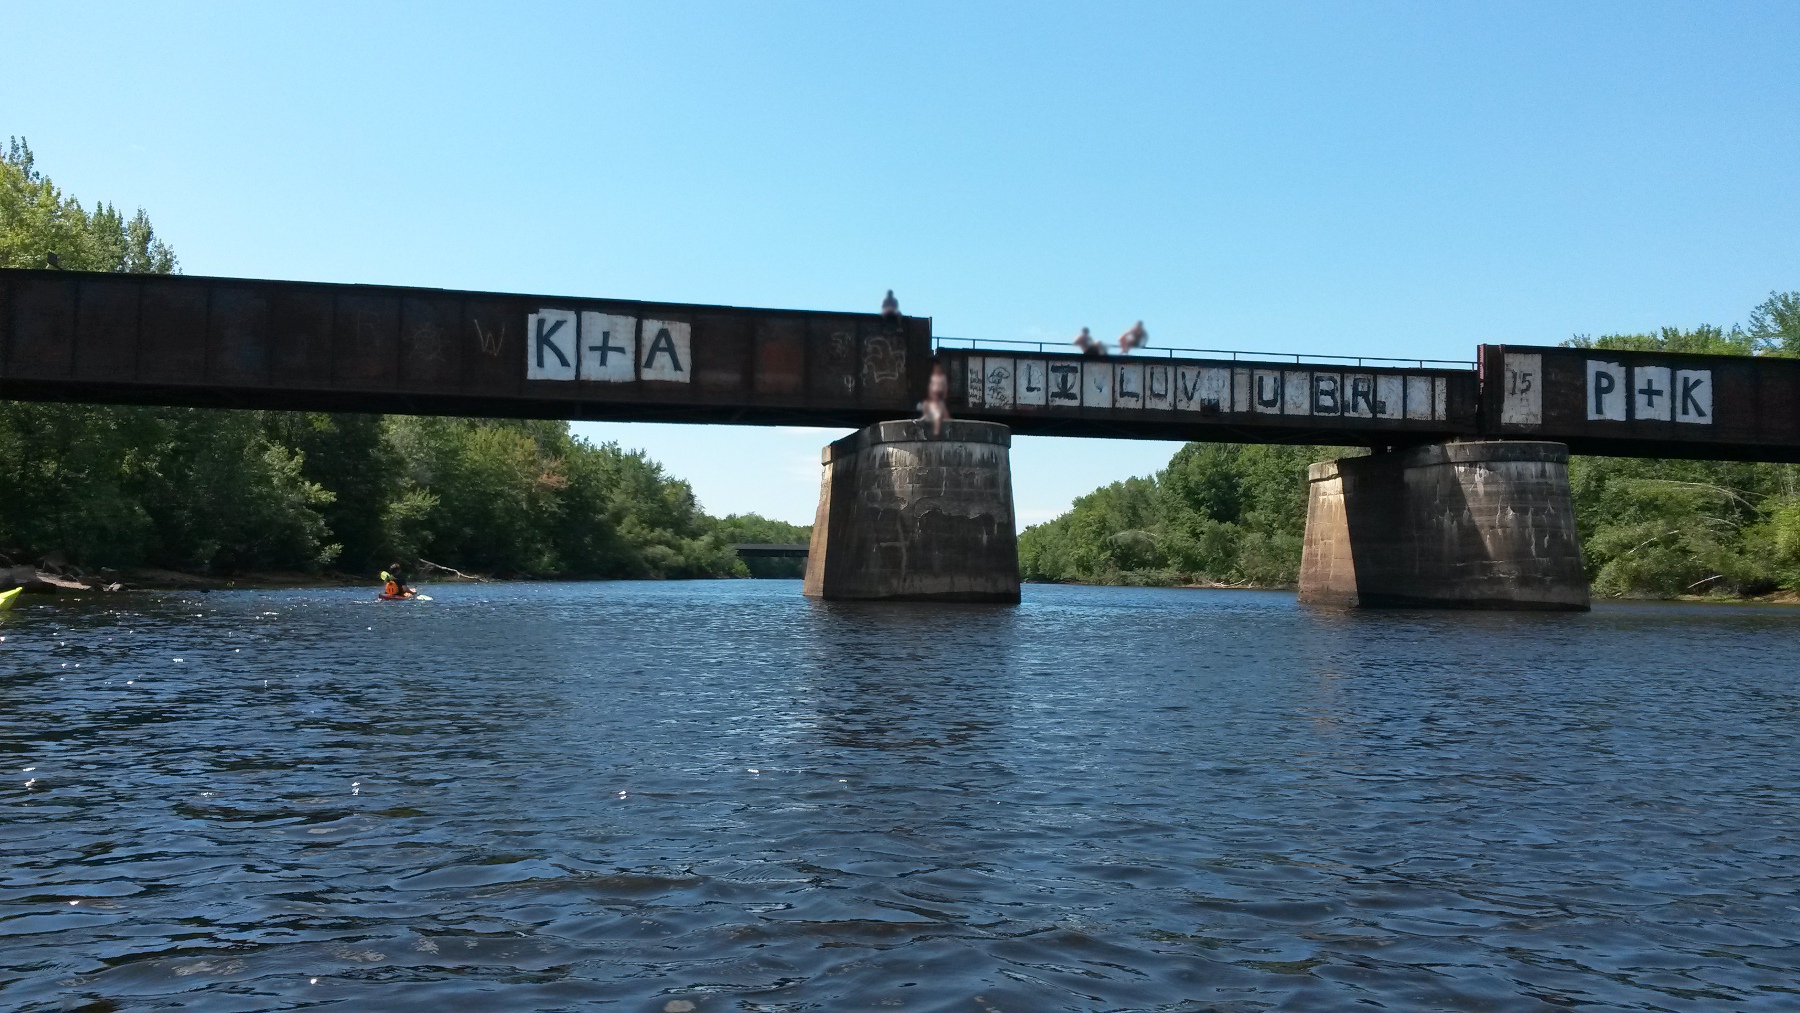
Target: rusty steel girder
column 219, row 342
column 236, row 343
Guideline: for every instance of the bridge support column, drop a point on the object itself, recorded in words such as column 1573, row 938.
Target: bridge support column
column 904, row 515
column 1456, row 525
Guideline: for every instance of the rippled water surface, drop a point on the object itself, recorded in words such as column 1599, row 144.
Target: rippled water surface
column 722, row 796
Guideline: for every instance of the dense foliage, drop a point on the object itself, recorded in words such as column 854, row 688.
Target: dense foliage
column 1219, row 513
column 751, row 528
column 230, row 491
column 1223, row 514
column 37, row 220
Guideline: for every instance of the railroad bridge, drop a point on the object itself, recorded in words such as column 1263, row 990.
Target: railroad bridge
column 1465, row 501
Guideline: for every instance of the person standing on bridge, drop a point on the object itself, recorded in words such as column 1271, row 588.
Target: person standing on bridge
column 935, row 409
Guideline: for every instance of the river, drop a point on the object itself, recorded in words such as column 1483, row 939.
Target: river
column 719, row 795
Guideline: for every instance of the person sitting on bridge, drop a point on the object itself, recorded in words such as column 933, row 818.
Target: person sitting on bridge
column 1137, row 337
column 1089, row 346
column 935, row 408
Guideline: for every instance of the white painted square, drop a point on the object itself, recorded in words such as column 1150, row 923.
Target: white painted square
column 1440, row 398
column 997, row 391
column 1241, row 400
column 667, row 351
column 1128, row 386
column 1359, row 395
column 1296, row 392
column 1653, row 393
column 1065, row 383
column 550, row 345
column 1607, row 395
column 608, row 347
column 1096, row 385
column 1159, row 387
column 1187, row 388
column 1215, row 387
column 1418, row 397
column 1522, row 397
column 977, row 381
column 1033, row 381
column 1327, row 394
column 1390, row 396
column 1266, row 397
column 1693, row 396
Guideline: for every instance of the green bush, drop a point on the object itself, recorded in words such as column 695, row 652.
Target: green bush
column 1219, row 513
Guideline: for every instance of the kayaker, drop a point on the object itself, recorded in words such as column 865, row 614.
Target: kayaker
column 392, row 586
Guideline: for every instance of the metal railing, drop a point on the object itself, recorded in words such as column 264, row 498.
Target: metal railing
column 943, row 342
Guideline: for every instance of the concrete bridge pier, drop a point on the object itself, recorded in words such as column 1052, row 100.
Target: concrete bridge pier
column 1455, row 525
column 908, row 516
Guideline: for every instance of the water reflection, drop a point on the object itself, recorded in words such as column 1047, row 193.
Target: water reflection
column 906, row 678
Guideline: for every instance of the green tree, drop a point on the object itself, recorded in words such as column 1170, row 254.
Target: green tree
column 180, row 488
column 350, row 456
column 1702, row 340
column 1219, row 513
column 1662, row 528
column 1775, row 324
column 756, row 530
column 526, row 498
column 37, row 220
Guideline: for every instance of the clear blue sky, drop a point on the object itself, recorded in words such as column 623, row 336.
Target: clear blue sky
column 1399, row 179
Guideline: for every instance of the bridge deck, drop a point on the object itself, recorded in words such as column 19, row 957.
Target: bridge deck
column 219, row 342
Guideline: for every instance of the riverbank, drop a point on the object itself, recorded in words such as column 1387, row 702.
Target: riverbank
column 1773, row 598
column 40, row 580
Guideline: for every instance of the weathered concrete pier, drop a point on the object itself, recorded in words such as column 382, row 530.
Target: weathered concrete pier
column 906, row 515
column 1456, row 525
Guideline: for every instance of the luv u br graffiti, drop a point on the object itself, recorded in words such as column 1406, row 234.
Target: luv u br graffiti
column 1023, row 383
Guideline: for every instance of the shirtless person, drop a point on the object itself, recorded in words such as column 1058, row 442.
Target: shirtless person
column 935, row 408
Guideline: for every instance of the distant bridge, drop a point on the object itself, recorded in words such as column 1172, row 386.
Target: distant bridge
column 234, row 343
column 750, row 550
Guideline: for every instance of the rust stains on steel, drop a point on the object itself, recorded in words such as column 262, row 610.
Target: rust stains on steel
column 1643, row 404
column 223, row 342
column 218, row 342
